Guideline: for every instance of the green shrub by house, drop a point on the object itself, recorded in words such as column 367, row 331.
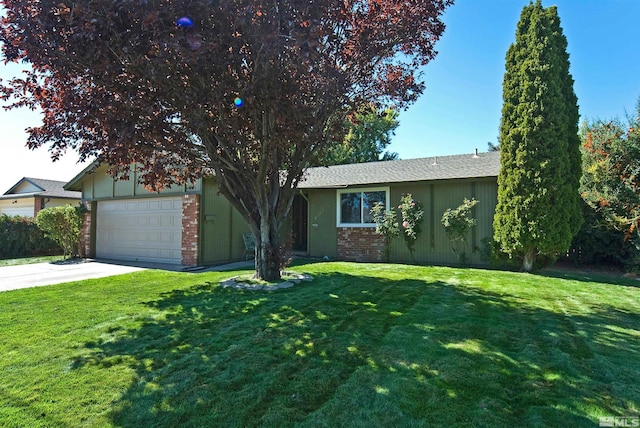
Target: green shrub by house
column 62, row 224
column 457, row 223
column 21, row 237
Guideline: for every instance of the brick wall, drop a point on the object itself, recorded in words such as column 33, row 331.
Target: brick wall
column 360, row 244
column 84, row 249
column 190, row 229
column 38, row 204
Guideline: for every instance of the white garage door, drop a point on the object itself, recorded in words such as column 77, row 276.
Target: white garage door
column 147, row 230
column 18, row 211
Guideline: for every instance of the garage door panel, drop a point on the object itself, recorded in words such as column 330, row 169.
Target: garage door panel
column 144, row 230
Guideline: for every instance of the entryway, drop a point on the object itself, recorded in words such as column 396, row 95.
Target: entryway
column 299, row 223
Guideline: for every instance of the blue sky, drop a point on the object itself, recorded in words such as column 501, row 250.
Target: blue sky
column 460, row 109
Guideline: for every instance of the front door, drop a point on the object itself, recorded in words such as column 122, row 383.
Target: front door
column 299, row 211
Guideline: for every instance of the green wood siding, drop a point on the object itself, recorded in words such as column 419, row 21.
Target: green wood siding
column 99, row 185
column 323, row 235
column 102, row 184
column 124, row 188
column 222, row 227
column 432, row 245
column 87, row 189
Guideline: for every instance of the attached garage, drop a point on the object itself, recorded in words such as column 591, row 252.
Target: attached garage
column 17, row 211
column 145, row 229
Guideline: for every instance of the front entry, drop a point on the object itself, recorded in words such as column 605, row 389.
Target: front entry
column 299, row 212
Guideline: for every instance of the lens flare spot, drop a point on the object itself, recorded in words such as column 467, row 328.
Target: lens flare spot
column 185, row 22
column 238, row 102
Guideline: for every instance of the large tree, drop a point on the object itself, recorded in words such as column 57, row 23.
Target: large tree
column 250, row 90
column 611, row 178
column 538, row 210
column 368, row 134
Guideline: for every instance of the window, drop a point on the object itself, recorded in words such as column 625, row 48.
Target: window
column 354, row 206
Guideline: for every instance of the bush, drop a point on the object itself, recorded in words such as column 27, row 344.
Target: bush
column 386, row 225
column 412, row 217
column 63, row 225
column 601, row 245
column 21, row 237
column 457, row 223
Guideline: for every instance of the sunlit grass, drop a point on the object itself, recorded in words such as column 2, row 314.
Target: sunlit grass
column 360, row 345
column 30, row 260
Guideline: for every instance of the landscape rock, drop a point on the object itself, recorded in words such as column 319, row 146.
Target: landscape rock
column 286, row 284
column 236, row 284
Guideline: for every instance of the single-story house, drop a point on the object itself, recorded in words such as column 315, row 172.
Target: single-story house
column 29, row 195
column 194, row 225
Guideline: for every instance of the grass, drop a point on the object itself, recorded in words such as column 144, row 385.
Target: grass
column 30, row 260
column 362, row 345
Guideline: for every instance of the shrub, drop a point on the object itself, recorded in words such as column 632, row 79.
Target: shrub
column 600, row 244
column 412, row 216
column 62, row 224
column 386, row 225
column 21, row 237
column 457, row 223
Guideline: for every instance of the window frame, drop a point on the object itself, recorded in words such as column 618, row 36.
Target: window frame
column 360, row 190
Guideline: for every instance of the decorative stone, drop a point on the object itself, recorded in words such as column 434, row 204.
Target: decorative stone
column 228, row 283
column 297, row 278
column 286, row 284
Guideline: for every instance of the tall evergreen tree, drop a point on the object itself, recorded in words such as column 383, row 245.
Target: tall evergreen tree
column 538, row 210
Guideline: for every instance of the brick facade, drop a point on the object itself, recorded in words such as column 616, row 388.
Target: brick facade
column 84, row 247
column 360, row 244
column 190, row 229
column 38, row 204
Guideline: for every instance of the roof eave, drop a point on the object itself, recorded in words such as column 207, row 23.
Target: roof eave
column 71, row 185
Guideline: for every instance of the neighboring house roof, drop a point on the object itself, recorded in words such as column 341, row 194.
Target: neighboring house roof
column 405, row 170
column 43, row 188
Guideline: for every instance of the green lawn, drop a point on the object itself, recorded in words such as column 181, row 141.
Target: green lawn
column 30, row 260
column 363, row 345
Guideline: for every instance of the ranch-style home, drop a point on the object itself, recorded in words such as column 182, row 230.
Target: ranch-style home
column 29, row 195
column 194, row 225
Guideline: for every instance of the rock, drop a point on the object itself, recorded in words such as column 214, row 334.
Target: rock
column 270, row 287
column 286, row 284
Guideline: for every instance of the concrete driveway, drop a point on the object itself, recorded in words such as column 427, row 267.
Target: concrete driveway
column 34, row 275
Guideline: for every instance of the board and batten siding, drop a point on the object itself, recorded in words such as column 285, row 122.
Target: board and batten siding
column 323, row 235
column 432, row 245
column 222, row 227
column 99, row 185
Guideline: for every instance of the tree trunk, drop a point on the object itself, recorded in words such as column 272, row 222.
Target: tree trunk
column 528, row 261
column 268, row 250
column 267, row 254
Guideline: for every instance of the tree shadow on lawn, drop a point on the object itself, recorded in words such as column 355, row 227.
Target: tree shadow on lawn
column 366, row 351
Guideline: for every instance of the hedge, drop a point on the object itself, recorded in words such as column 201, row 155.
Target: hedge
column 21, row 237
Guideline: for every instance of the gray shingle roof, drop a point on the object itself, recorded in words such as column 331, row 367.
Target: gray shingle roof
column 405, row 170
column 50, row 189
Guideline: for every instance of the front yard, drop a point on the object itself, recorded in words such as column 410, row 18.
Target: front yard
column 30, row 260
column 362, row 345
